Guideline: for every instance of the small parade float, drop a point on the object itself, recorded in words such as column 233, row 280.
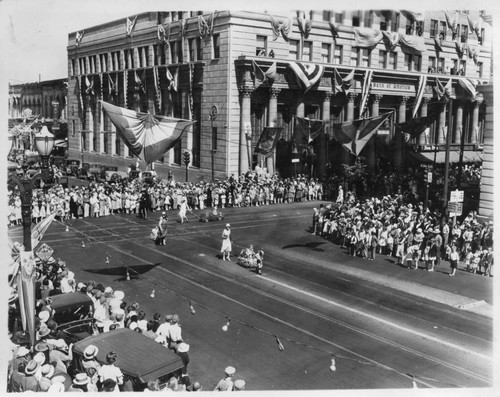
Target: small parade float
column 212, row 215
column 251, row 259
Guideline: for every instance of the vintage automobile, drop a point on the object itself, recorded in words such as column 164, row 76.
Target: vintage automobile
column 73, row 313
column 112, row 174
column 149, row 177
column 73, row 167
column 140, row 358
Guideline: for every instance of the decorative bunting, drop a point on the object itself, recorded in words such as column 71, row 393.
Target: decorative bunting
column 139, row 82
column 130, row 26
column 162, row 35
column 156, row 79
column 191, row 82
column 147, row 136
column 173, row 80
column 89, row 86
column 205, row 28
column 78, row 87
column 307, row 74
column 392, row 39
column 283, row 28
column 452, row 21
column 182, row 27
column 112, row 86
column 478, row 26
column 354, row 135
column 366, row 91
column 260, row 77
column 416, row 126
column 367, row 37
column 413, row 16
column 459, row 48
column 473, row 52
column 438, row 43
column 306, row 130
column 420, row 93
column 347, row 81
column 412, row 43
column 334, row 29
column 79, row 37
column 469, row 87
column 125, row 87
column 304, row 27
column 444, row 93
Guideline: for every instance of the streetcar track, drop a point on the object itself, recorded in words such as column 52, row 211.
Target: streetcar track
column 310, row 311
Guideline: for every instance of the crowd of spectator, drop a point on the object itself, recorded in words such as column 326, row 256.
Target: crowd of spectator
column 413, row 234
column 102, row 198
column 40, row 369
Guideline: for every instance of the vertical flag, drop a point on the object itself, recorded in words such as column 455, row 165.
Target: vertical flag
column 26, row 291
column 191, row 79
column 366, row 91
column 80, row 99
column 125, row 87
column 420, row 93
column 156, row 79
column 268, row 140
column 161, row 34
column 79, row 37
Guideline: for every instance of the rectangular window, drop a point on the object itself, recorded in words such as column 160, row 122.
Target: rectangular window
column 356, row 18
column 365, row 57
column 216, row 46
column 326, row 51
column 192, row 50
column 441, row 65
column 481, row 37
column 407, row 64
column 383, row 24
column 410, row 26
column 261, row 46
column 433, row 28
column 393, row 61
column 199, row 48
column 368, row 18
column 307, row 51
column 479, row 69
column 337, row 55
column 419, row 28
column 294, row 50
column 173, row 52
column 117, row 146
column 417, row 63
column 431, row 68
column 105, row 143
column 326, row 16
column 443, row 30
column 180, row 52
column 382, row 59
column 395, row 22
column 73, row 67
column 463, row 68
column 464, row 34
column 339, row 17
column 354, row 56
column 454, row 69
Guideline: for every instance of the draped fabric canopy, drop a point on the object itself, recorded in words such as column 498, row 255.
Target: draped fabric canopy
column 146, row 135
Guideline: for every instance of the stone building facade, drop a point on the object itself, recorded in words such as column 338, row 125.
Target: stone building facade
column 188, row 64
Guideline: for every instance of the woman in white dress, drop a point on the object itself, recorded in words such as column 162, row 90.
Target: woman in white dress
column 226, row 243
column 183, row 210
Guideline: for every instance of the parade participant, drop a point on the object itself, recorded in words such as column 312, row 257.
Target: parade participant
column 162, row 228
column 109, row 371
column 174, row 333
column 226, row 383
column 183, row 210
column 226, row 243
column 183, row 352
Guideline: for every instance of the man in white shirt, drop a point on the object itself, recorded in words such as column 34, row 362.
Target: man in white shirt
column 162, row 330
column 174, row 333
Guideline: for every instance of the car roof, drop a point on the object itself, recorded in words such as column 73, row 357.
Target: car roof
column 69, row 299
column 137, row 355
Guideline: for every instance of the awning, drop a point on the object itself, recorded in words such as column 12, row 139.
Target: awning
column 428, row 157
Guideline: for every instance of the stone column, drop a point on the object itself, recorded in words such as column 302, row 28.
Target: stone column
column 423, row 113
column 90, row 128
column 475, row 123
column 399, row 140
column 371, row 156
column 272, row 122
column 245, row 129
column 322, row 145
column 458, row 123
column 351, row 97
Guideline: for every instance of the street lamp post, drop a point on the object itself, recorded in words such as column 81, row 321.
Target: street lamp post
column 44, row 143
column 213, row 116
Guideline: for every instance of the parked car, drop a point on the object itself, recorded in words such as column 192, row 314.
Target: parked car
column 139, row 357
column 94, row 172
column 73, row 313
column 149, row 177
column 73, row 167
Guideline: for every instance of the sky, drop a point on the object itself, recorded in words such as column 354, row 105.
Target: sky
column 37, row 30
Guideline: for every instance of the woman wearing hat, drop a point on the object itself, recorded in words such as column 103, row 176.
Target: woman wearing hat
column 90, row 364
column 183, row 208
column 162, row 228
column 226, row 243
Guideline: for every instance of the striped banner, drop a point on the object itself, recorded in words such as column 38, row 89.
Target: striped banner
column 307, row 74
column 366, row 91
column 156, row 78
column 420, row 93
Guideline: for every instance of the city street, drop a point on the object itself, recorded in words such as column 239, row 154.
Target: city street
column 384, row 325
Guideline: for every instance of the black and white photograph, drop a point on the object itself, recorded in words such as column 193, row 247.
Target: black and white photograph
column 248, row 197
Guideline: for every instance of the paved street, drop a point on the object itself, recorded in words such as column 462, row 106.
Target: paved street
column 383, row 324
